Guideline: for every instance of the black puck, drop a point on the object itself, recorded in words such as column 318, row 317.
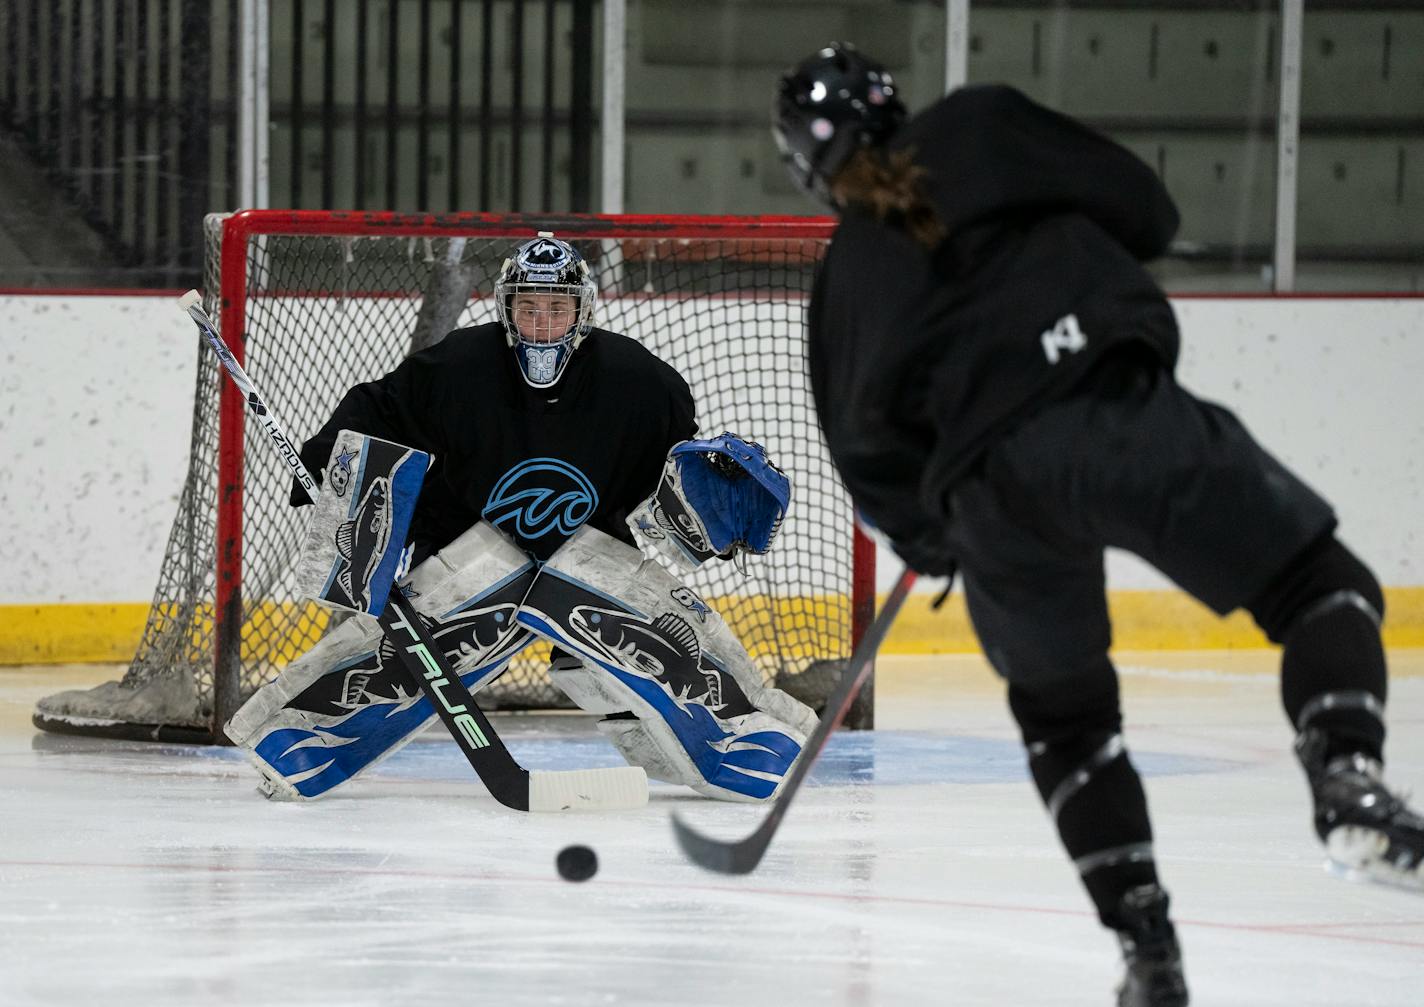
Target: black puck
column 576, row 863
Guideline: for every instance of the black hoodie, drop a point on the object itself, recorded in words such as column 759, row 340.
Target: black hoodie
column 919, row 359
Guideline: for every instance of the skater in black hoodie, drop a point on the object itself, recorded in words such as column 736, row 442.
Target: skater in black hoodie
column 993, row 369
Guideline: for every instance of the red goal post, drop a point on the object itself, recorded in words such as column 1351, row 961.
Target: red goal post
column 312, row 302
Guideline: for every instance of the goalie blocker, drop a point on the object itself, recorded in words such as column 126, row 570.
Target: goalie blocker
column 355, row 543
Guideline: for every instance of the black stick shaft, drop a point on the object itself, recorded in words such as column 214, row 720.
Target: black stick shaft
column 422, row 659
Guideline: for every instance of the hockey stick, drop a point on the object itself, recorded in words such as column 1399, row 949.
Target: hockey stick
column 741, row 856
column 508, row 782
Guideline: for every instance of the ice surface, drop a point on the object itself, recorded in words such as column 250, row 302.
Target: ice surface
column 917, row 869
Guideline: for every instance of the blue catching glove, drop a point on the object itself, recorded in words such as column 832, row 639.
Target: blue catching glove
column 736, row 490
column 718, row 497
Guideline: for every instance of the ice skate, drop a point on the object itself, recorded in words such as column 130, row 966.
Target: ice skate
column 1369, row 832
column 1151, row 952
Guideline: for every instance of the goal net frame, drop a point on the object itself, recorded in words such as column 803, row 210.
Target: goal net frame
column 624, row 247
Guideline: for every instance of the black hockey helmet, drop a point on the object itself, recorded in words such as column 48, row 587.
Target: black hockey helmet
column 542, row 271
column 829, row 106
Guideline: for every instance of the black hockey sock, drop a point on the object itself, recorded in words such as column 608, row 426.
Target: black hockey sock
column 1107, row 885
column 1072, row 727
column 1326, row 608
column 1095, row 797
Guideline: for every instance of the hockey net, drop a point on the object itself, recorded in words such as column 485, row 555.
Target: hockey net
column 314, row 302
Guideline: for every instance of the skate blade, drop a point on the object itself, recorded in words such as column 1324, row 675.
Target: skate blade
column 1357, row 854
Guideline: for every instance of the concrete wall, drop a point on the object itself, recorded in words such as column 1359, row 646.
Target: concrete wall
column 96, row 401
column 96, row 395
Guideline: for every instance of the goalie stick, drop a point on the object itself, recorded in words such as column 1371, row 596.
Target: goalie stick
column 508, row 782
column 741, row 856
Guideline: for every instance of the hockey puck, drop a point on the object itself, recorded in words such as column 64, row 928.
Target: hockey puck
column 576, row 863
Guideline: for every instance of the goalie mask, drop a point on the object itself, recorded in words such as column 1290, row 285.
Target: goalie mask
column 545, row 298
column 826, row 109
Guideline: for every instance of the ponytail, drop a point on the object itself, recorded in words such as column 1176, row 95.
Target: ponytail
column 888, row 185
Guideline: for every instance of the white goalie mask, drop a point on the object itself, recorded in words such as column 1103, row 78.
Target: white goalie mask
column 545, row 298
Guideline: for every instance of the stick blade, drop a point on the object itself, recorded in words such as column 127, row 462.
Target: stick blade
column 617, row 789
column 737, row 857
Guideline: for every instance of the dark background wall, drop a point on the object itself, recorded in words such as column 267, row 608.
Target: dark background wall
column 118, row 121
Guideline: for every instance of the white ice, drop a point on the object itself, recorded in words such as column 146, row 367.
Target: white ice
column 918, row 868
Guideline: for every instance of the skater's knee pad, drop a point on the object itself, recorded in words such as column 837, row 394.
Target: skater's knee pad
column 1323, row 579
column 650, row 646
column 1076, row 702
column 1326, row 608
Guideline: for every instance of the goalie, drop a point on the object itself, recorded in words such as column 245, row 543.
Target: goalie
column 552, row 440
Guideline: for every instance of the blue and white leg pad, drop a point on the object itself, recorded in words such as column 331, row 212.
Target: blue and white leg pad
column 347, row 704
column 653, row 648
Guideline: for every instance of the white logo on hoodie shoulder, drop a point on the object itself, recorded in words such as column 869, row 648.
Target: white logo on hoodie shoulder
column 1064, row 337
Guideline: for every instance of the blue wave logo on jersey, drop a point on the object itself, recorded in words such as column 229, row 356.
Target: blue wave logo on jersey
column 540, row 496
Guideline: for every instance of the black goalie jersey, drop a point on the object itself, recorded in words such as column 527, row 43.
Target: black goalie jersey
column 537, row 464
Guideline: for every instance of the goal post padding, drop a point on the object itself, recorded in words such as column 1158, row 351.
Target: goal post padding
column 313, row 302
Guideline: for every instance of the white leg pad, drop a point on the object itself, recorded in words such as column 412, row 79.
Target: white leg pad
column 357, row 636
column 590, row 688
column 345, row 705
column 652, row 647
column 640, row 749
column 465, row 570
